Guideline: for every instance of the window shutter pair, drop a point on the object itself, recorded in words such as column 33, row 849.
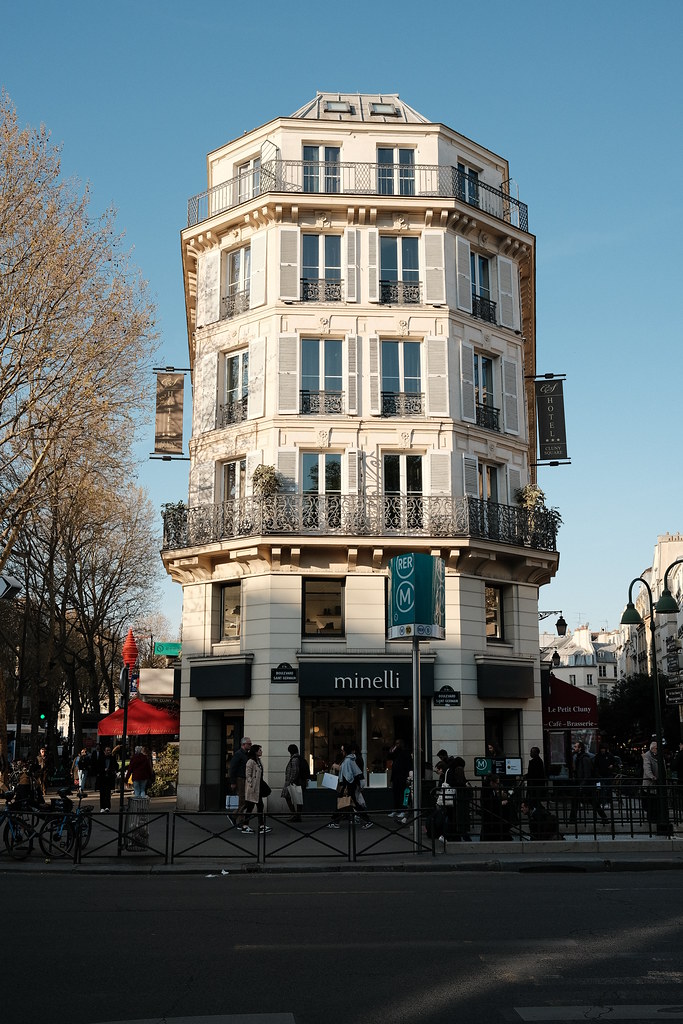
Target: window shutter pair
column 208, row 288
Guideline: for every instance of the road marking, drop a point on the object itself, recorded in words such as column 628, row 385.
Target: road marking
column 569, row 1013
column 222, row 1018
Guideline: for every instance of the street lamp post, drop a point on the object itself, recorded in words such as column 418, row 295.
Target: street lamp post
column 631, row 617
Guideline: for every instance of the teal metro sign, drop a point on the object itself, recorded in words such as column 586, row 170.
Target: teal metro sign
column 417, row 602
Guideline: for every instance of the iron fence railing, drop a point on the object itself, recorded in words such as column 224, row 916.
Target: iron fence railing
column 353, row 178
column 399, row 293
column 233, row 412
column 317, row 402
column 234, row 303
column 483, row 309
column 358, row 516
column 488, row 417
column 324, row 289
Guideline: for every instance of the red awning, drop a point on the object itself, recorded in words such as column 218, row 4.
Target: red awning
column 143, row 720
column 568, row 707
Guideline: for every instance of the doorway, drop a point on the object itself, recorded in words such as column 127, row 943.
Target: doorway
column 223, row 731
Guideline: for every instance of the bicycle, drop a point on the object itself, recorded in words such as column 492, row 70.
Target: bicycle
column 58, row 835
column 20, row 829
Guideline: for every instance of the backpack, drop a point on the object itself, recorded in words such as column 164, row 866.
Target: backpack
column 304, row 771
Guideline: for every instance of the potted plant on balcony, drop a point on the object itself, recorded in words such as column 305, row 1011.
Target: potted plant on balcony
column 541, row 521
column 265, row 484
column 174, row 515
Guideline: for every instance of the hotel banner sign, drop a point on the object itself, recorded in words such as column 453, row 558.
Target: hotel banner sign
column 552, row 433
column 168, row 428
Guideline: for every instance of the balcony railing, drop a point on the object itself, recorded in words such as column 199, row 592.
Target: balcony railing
column 402, row 403
column 325, row 289
column 488, row 417
column 355, row 516
column 483, row 308
column 362, row 179
column 232, row 412
column 234, row 303
column 399, row 293
column 314, row 403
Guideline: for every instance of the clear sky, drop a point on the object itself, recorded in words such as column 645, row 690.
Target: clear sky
column 582, row 98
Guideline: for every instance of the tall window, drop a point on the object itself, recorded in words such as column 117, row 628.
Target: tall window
column 321, row 169
column 249, row 179
column 321, row 268
column 401, row 379
column 395, row 171
column 321, row 376
column 402, row 484
column 234, row 408
column 488, row 482
column 321, row 488
column 487, row 413
column 468, row 184
column 399, row 269
column 322, row 608
column 238, row 276
column 232, row 512
column 482, row 304
column 231, row 611
column 494, row 613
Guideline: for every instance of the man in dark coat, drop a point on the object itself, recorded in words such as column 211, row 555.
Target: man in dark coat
column 401, row 766
column 107, row 767
column 238, row 778
column 535, row 778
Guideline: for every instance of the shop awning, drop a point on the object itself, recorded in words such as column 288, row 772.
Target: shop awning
column 143, row 720
column 568, row 707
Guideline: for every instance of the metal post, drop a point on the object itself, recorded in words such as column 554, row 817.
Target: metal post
column 417, row 745
column 663, row 825
column 124, row 683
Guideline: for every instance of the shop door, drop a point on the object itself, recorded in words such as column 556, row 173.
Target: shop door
column 222, row 734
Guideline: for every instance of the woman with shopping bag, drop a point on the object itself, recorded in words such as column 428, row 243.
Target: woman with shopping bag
column 349, row 797
column 255, row 789
column 292, row 790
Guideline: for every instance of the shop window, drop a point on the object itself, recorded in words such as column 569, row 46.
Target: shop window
column 231, row 611
column 494, row 614
column 323, row 608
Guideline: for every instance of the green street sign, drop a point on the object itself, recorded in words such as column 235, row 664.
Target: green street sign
column 417, row 597
column 168, row 650
column 483, row 765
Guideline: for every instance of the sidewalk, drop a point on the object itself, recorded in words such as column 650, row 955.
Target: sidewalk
column 311, row 848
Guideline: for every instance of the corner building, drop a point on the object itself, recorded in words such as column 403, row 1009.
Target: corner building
column 360, row 296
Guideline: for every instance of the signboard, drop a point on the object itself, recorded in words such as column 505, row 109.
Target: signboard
column 552, row 433
column 168, row 650
column 483, row 766
column 168, row 428
column 447, row 697
column 417, row 600
column 363, row 680
column 674, row 695
column 284, row 673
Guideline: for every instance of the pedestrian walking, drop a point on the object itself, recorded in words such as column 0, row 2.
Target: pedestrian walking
column 238, row 769
column 584, row 784
column 401, row 766
column 107, row 767
column 650, row 782
column 292, row 790
column 255, row 789
column 82, row 765
column 535, row 778
column 139, row 772
column 349, row 797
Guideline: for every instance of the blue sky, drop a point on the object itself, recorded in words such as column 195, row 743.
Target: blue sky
column 583, row 99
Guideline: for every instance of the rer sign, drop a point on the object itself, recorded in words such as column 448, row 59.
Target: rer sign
column 417, row 603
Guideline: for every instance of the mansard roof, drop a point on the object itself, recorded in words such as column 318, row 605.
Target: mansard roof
column 356, row 106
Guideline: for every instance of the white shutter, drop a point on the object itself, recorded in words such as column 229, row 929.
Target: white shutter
column 508, row 294
column 289, row 264
column 286, row 467
column 373, row 265
column 202, row 484
column 440, row 473
column 470, row 475
column 468, row 408
column 257, row 285
column 351, row 360
column 253, row 459
column 435, row 282
column 208, row 287
column 510, row 403
column 353, row 457
column 437, row 376
column 205, row 392
column 375, row 397
column 514, row 483
column 288, row 374
column 352, row 239
column 463, row 273
column 257, row 375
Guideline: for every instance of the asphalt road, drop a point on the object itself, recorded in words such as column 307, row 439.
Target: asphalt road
column 342, row 949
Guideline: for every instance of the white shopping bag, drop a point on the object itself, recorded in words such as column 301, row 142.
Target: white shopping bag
column 232, row 802
column 330, row 781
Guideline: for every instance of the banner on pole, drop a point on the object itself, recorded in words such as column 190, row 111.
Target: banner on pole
column 552, row 433
column 168, row 432
column 417, row 602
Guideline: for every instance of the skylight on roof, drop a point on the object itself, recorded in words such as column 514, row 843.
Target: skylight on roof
column 384, row 108
column 337, row 107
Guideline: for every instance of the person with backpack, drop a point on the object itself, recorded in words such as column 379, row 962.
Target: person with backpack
column 293, row 789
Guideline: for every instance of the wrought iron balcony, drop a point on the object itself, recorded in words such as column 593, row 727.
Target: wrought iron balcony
column 488, row 417
column 234, row 303
column 483, row 308
column 232, row 412
column 361, row 179
column 399, row 293
column 314, row 403
column 354, row 516
column 324, row 289
column 402, row 403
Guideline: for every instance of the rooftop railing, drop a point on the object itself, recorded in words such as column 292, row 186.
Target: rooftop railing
column 355, row 516
column 362, row 179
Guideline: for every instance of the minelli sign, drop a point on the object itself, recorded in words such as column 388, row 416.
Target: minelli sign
column 417, row 601
column 362, row 680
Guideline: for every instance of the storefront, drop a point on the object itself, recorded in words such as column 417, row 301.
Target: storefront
column 569, row 714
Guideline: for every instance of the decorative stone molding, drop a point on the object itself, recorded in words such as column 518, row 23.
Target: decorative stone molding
column 400, row 223
column 324, row 325
column 322, row 220
column 403, row 328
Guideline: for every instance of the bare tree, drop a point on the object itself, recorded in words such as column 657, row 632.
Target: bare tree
column 77, row 333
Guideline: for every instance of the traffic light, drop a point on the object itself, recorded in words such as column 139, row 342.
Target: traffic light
column 43, row 710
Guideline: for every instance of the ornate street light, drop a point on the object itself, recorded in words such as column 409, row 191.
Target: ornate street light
column 555, row 660
column 560, row 625
column 631, row 617
column 666, row 604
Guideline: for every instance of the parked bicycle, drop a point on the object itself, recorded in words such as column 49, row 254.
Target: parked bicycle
column 58, row 835
column 21, row 826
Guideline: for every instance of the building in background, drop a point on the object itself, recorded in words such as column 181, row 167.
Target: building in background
column 587, row 659
column 360, row 297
